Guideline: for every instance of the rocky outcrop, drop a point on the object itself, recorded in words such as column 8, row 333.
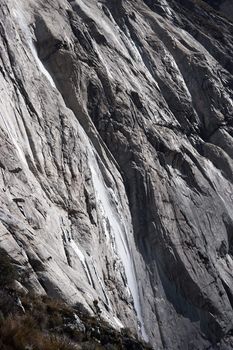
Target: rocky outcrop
column 116, row 161
column 223, row 6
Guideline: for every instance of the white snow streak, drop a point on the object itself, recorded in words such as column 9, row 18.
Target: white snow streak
column 10, row 129
column 82, row 259
column 28, row 36
column 118, row 227
column 40, row 65
column 102, row 285
column 69, row 242
column 118, row 322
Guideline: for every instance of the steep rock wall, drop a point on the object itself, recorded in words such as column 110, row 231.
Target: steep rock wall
column 116, row 161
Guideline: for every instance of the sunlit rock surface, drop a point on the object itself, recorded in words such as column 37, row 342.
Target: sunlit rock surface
column 116, row 163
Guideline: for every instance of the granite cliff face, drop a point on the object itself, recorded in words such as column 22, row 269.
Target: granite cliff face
column 223, row 6
column 116, row 171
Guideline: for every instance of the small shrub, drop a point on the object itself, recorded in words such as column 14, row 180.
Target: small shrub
column 17, row 332
column 7, row 303
column 8, row 272
column 22, row 332
column 48, row 324
column 58, row 306
column 58, row 343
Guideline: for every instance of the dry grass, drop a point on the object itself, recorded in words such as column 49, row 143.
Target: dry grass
column 58, row 343
column 22, row 332
column 49, row 324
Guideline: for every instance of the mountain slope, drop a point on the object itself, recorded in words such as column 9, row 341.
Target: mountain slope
column 116, row 161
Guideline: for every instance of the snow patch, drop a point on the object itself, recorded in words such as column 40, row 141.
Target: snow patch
column 102, row 285
column 68, row 240
column 118, row 227
column 82, row 258
column 41, row 66
column 10, row 129
column 118, row 322
column 28, row 36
